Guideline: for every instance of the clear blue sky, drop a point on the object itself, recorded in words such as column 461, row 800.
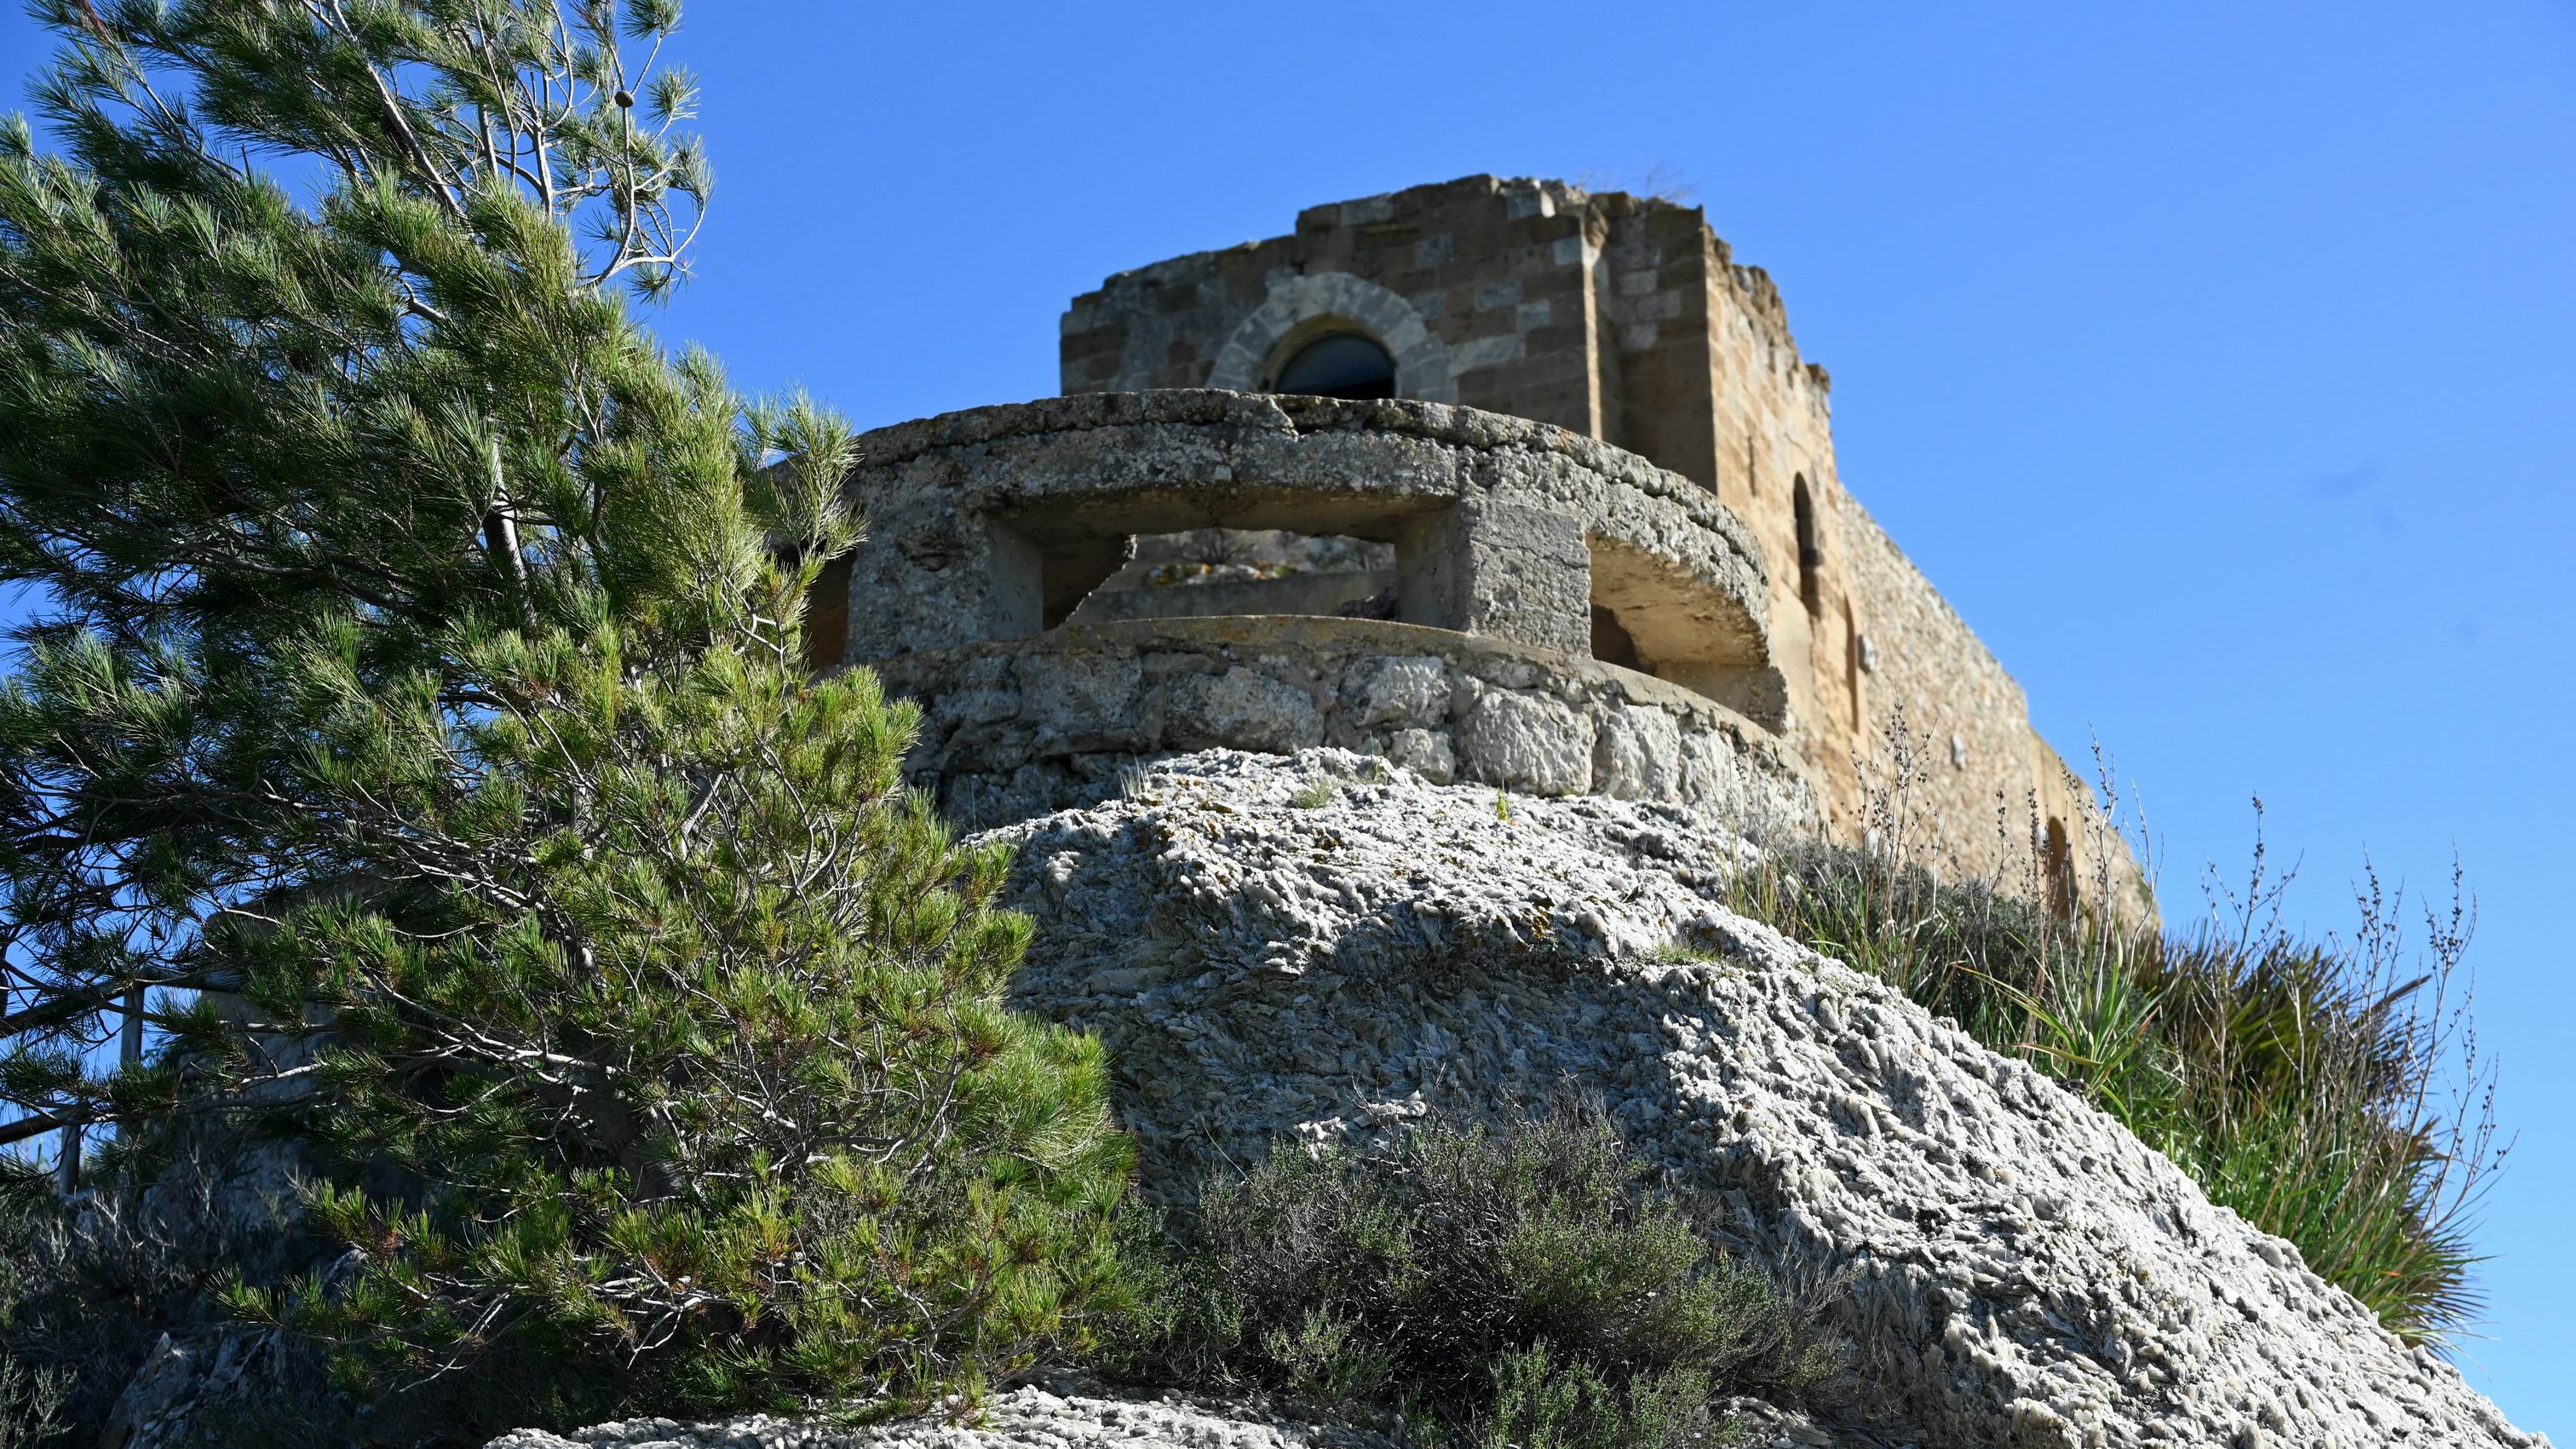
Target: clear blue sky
column 2222, row 370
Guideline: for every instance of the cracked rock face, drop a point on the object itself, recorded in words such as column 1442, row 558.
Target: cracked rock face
column 1032, row 1416
column 2021, row 1270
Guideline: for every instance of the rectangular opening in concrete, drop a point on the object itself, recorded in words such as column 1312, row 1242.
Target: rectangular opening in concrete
column 1652, row 619
column 1216, row 572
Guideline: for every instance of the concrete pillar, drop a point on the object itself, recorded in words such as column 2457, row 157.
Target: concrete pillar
column 1498, row 569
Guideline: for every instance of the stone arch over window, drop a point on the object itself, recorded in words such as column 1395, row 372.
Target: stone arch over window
column 1811, row 554
column 1302, row 309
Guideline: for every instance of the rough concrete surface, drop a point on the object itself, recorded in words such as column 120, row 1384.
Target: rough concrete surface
column 1020, row 728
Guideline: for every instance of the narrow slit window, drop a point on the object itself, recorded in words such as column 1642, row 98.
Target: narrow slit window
column 1811, row 557
column 2060, row 866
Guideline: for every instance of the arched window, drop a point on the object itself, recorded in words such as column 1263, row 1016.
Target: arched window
column 1345, row 364
column 1811, row 558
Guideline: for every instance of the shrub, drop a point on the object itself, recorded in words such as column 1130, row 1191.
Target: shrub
column 32, row 1395
column 2328, row 1092
column 1520, row 1286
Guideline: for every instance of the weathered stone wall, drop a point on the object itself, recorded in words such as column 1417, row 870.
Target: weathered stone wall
column 1712, row 387
column 1018, row 728
column 1989, row 786
column 1482, row 289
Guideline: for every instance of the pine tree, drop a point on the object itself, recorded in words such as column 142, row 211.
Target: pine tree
column 411, row 746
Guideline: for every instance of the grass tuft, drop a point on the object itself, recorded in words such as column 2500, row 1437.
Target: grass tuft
column 2331, row 1092
column 1315, row 793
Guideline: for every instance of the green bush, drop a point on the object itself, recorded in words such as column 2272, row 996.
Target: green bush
column 415, row 748
column 2328, row 1092
column 1517, row 1287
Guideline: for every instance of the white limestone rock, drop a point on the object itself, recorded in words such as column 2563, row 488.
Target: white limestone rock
column 1426, row 753
column 1405, row 693
column 2021, row 1270
column 1083, row 1416
column 1241, row 708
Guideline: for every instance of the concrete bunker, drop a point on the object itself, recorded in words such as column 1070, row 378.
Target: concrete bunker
column 1469, row 565
column 1450, row 569
column 1005, row 523
column 1648, row 616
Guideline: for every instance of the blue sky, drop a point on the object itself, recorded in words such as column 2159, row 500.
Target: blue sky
column 2219, row 366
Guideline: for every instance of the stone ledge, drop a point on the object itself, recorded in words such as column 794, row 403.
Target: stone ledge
column 992, row 523
column 1461, row 427
column 1017, row 728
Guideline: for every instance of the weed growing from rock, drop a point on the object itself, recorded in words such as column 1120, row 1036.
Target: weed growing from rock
column 2332, row 1093
column 1315, row 793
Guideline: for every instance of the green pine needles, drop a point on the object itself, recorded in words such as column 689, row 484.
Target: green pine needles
column 685, row 1020
column 412, row 750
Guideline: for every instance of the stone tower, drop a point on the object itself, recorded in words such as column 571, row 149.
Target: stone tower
column 1627, row 320
column 1501, row 480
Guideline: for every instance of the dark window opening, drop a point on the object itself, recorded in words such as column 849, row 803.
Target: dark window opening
column 1216, row 572
column 1610, row 642
column 1344, row 365
column 2060, row 865
column 1811, row 557
column 827, row 616
column 1851, row 665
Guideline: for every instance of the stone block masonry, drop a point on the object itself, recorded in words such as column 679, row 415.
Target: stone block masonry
column 1503, row 569
column 1016, row 729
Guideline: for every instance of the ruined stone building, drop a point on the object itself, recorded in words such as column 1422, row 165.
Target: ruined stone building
column 1503, row 480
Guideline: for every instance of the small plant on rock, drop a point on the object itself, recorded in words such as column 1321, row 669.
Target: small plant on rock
column 1314, row 793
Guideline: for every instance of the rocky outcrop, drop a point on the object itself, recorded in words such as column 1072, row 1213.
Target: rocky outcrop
column 2018, row 1269
column 1032, row 1416
column 2022, row 1270
column 1077, row 1416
